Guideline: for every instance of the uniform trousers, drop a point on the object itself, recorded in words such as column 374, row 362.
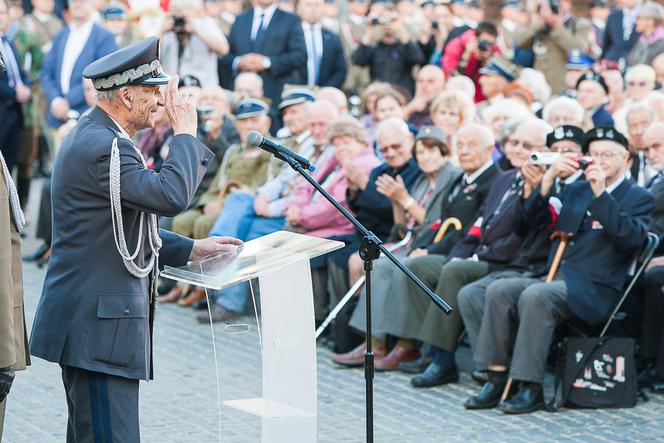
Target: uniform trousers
column 102, row 408
column 471, row 302
column 520, row 316
column 2, row 416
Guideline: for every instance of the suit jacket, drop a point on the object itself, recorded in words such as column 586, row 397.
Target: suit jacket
column 614, row 46
column 283, row 43
column 93, row 314
column 333, row 66
column 601, row 117
column 13, row 337
column 493, row 239
column 657, row 221
column 608, row 232
column 8, row 101
column 100, row 43
column 464, row 205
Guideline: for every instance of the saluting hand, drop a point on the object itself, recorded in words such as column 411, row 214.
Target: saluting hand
column 181, row 109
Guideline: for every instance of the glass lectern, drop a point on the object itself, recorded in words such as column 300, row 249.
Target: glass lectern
column 282, row 335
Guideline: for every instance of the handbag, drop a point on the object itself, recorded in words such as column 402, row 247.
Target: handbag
column 595, row 372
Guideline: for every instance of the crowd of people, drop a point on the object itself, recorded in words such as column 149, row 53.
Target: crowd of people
column 424, row 118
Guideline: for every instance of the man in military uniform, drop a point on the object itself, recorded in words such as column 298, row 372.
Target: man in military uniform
column 96, row 311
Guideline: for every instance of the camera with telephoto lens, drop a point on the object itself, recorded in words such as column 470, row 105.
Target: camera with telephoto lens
column 484, row 45
column 555, row 6
column 179, row 24
column 434, row 25
column 204, row 113
column 380, row 21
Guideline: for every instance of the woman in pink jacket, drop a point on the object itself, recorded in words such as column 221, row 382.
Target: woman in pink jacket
column 308, row 211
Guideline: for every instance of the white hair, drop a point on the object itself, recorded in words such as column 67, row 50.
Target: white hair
column 536, row 82
column 507, row 107
column 461, row 83
column 485, row 133
column 641, row 106
column 542, row 127
column 107, row 96
column 641, row 72
column 392, row 123
column 566, row 102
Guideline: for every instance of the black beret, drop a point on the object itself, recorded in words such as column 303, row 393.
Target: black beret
column 565, row 132
column 594, row 76
column 135, row 64
column 603, row 133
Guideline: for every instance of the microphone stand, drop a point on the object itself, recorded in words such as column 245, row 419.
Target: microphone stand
column 370, row 249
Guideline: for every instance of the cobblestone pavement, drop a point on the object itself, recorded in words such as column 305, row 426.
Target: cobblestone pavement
column 181, row 404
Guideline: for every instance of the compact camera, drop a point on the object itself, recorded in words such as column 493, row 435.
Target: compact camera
column 548, row 158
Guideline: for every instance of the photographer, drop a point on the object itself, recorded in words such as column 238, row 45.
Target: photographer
column 553, row 33
column 191, row 42
column 388, row 51
column 469, row 52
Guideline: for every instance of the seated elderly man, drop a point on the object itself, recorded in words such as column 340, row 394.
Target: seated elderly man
column 592, row 93
column 399, row 309
column 532, row 255
column 489, row 245
column 639, row 117
column 309, row 213
column 608, row 217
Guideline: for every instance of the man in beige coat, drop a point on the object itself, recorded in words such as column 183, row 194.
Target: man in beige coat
column 13, row 338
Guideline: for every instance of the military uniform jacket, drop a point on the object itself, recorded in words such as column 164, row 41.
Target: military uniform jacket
column 93, row 314
column 608, row 232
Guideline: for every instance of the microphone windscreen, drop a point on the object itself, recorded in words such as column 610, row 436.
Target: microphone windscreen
column 255, row 139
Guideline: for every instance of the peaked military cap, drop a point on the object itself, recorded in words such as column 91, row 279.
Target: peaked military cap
column 603, row 133
column 295, row 97
column 565, row 132
column 136, row 64
column 594, row 76
column 250, row 107
column 579, row 61
column 431, row 133
column 500, row 66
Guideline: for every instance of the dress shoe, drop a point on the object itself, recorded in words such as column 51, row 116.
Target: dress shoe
column 435, row 375
column 397, row 355
column 200, row 305
column 174, row 295
column 218, row 314
column 355, row 357
column 480, row 376
column 165, row 286
column 529, row 398
column 416, row 366
column 489, row 395
column 196, row 294
column 37, row 254
column 43, row 260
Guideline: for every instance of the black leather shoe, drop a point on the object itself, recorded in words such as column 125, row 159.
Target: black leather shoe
column 37, row 254
column 529, row 398
column 435, row 375
column 416, row 366
column 489, row 395
column 480, row 376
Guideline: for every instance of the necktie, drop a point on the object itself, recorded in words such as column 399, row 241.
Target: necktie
column 314, row 54
column 641, row 178
column 259, row 32
column 628, row 24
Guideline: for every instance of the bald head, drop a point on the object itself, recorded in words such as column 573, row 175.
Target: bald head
column 334, row 96
column 248, row 84
column 474, row 147
column 321, row 115
column 529, row 136
column 653, row 142
column 430, row 81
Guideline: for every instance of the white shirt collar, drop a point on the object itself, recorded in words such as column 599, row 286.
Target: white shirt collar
column 84, row 28
column 612, row 187
column 472, row 177
column 302, row 137
column 268, row 13
column 123, row 133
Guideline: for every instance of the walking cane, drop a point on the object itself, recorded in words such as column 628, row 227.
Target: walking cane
column 452, row 221
column 553, row 270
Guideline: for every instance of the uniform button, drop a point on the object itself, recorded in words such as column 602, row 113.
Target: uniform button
column 126, row 311
column 205, row 162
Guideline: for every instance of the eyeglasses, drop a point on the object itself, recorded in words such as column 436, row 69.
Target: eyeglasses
column 525, row 145
column 604, row 156
column 395, row 147
column 639, row 84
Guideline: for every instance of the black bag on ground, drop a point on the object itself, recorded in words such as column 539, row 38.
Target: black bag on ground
column 596, row 373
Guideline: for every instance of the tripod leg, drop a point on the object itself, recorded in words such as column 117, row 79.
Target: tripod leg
column 369, row 356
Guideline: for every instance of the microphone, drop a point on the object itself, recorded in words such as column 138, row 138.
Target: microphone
column 257, row 140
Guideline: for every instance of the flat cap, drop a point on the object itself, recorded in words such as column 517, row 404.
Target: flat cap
column 250, row 107
column 603, row 133
column 593, row 76
column 295, row 97
column 136, row 64
column 565, row 132
column 431, row 133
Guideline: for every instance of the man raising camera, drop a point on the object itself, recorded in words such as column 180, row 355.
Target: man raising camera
column 192, row 42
